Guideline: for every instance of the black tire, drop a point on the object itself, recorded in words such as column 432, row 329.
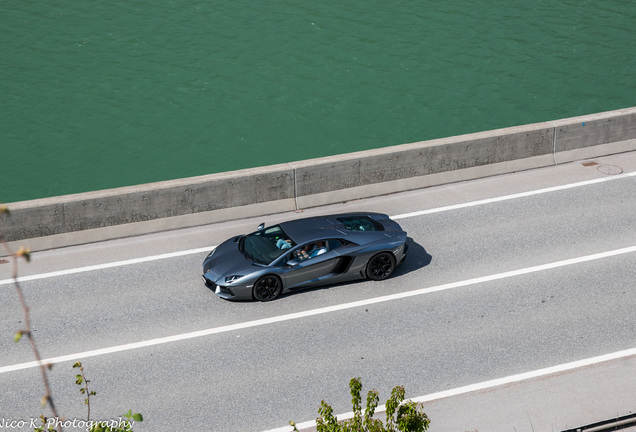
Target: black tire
column 267, row 288
column 380, row 266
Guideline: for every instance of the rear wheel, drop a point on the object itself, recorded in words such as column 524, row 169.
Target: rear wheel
column 267, row 288
column 380, row 266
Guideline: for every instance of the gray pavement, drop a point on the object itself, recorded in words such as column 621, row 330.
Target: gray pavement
column 257, row 378
column 555, row 402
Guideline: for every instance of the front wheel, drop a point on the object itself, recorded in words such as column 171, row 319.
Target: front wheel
column 267, row 288
column 380, row 266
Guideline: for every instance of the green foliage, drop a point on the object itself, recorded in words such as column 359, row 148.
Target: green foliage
column 102, row 426
column 24, row 253
column 80, row 380
column 121, row 426
column 401, row 416
column 46, row 425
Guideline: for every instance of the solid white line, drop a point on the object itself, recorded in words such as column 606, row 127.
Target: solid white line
column 396, row 217
column 514, row 196
column 486, row 384
column 313, row 312
column 107, row 265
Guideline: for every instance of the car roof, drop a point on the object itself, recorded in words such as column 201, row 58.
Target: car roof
column 330, row 226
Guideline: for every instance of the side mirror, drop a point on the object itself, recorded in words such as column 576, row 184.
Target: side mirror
column 261, row 226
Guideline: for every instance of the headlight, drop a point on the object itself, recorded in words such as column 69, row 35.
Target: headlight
column 232, row 278
column 211, row 253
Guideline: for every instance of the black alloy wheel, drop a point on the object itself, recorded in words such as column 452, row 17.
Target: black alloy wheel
column 381, row 266
column 267, row 288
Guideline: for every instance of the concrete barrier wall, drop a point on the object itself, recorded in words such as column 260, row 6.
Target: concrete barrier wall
column 592, row 134
column 154, row 201
column 411, row 166
column 112, row 213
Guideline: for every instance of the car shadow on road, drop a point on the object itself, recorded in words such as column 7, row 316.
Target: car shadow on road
column 416, row 258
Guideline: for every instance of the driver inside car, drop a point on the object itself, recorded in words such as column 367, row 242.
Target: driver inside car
column 319, row 248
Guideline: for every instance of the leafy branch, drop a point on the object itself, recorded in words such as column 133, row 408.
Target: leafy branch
column 125, row 426
column 80, row 379
column 401, row 416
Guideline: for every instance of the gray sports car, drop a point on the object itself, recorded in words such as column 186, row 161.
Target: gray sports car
column 305, row 253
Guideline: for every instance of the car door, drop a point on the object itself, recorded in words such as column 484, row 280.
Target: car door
column 311, row 271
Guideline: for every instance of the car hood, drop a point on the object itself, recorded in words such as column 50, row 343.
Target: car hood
column 227, row 260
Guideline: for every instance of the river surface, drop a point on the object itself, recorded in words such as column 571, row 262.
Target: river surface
column 103, row 94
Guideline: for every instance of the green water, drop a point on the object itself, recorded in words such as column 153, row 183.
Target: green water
column 104, row 94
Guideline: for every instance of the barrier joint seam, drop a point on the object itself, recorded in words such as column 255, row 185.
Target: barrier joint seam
column 295, row 189
column 554, row 146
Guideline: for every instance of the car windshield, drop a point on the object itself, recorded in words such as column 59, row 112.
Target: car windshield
column 265, row 245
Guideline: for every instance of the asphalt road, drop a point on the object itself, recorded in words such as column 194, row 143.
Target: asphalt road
column 486, row 292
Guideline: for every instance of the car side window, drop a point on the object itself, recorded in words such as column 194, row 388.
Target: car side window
column 334, row 243
column 307, row 252
column 311, row 250
column 295, row 257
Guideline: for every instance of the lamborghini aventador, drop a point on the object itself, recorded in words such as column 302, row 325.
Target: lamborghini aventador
column 305, row 253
